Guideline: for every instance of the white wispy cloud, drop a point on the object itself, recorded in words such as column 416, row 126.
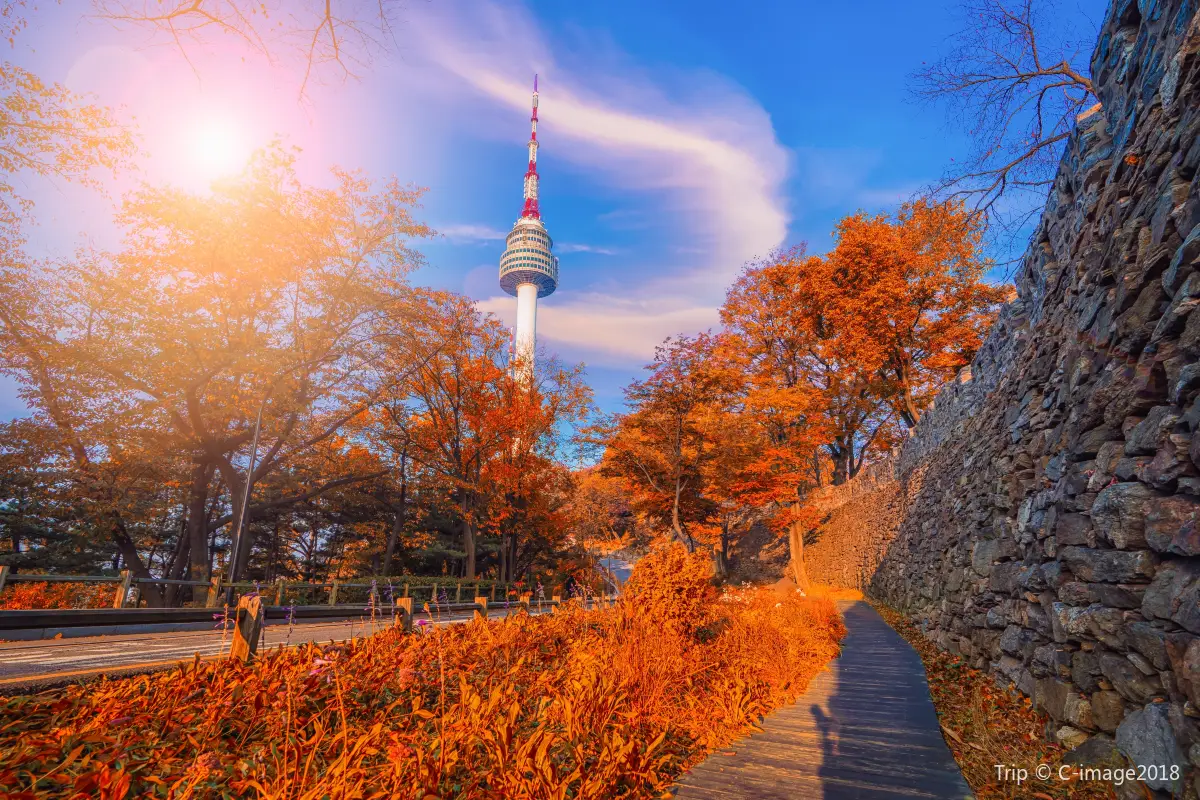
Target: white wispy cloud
column 471, row 233
column 696, row 147
column 569, row 247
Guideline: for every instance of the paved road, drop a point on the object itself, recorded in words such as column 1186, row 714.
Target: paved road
column 62, row 659
column 864, row 730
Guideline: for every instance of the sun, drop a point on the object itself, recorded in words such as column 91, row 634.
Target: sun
column 217, row 146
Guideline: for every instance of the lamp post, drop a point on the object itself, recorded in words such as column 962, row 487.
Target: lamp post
column 241, row 518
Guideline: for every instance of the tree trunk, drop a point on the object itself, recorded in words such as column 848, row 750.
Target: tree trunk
column 468, row 542
column 502, row 556
column 841, row 457
column 910, row 414
column 133, row 562
column 513, row 564
column 796, row 545
column 397, row 520
column 177, row 570
column 721, row 551
column 676, row 525
column 197, row 529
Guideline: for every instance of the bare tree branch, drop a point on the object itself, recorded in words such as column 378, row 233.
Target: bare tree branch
column 343, row 34
column 1017, row 85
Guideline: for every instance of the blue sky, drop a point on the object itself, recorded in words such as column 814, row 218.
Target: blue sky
column 679, row 139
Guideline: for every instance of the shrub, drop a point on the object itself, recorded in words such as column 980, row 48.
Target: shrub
column 673, row 586
column 17, row 596
column 601, row 703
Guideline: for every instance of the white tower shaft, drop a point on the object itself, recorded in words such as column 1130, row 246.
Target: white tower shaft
column 526, row 336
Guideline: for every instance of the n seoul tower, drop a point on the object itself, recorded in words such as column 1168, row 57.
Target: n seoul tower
column 528, row 268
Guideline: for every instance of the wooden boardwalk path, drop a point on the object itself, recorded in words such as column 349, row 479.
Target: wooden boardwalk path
column 865, row 729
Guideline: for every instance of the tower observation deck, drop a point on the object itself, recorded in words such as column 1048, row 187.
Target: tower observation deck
column 528, row 268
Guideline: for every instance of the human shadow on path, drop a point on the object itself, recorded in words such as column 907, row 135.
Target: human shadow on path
column 880, row 736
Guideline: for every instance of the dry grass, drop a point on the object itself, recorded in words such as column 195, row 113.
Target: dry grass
column 578, row 704
column 986, row 725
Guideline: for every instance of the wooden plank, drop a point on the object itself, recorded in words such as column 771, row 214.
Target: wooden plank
column 865, row 728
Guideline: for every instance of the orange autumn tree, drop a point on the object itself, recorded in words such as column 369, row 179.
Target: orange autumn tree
column 660, row 446
column 266, row 299
column 483, row 441
column 787, row 329
column 823, row 362
column 911, row 297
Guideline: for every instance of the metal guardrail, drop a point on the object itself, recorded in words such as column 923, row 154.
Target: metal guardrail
column 112, row 620
column 407, row 586
column 89, row 617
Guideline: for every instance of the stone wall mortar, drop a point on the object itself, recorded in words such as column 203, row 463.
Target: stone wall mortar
column 1042, row 521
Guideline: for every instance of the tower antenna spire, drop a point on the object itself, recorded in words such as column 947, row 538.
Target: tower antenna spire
column 531, row 176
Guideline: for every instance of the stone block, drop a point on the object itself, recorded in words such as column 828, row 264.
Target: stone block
column 1149, row 640
column 1050, row 695
column 1076, row 593
column 1097, row 750
column 1119, row 595
column 1183, row 656
column 1174, row 594
column 1119, row 514
column 1170, row 525
column 1128, row 680
column 1108, row 709
column 1085, row 667
column 1003, row 578
column 1070, row 623
column 1014, row 640
column 1074, row 529
column 982, row 555
column 1182, row 262
column 1146, row 738
column 1109, row 566
column 1070, row 737
column 1145, row 436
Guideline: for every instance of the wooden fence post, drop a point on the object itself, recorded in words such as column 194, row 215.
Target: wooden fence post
column 214, row 591
column 525, row 598
column 433, row 596
column 3, row 576
column 481, row 600
column 333, row 591
column 458, row 592
column 493, row 591
column 279, row 592
column 247, row 628
column 405, row 590
column 404, row 606
column 122, row 588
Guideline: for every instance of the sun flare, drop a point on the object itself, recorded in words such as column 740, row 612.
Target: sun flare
column 217, row 146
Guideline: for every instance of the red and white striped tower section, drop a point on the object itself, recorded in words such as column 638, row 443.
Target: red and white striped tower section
column 528, row 268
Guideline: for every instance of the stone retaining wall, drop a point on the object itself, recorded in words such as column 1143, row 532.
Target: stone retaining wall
column 1043, row 520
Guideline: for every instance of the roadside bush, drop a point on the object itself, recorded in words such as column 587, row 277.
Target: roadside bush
column 576, row 704
column 17, row 596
